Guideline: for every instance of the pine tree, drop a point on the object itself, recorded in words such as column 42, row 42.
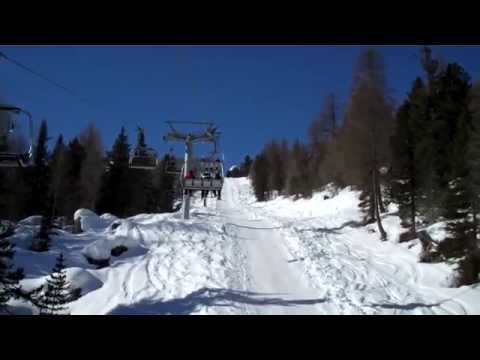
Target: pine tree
column 299, row 183
column 76, row 155
column 53, row 297
column 92, row 167
column 452, row 124
column 9, row 279
column 277, row 169
column 259, row 178
column 14, row 194
column 430, row 65
column 41, row 240
column 473, row 154
column 58, row 184
column 458, row 201
column 247, row 163
column 321, row 132
column 115, row 193
column 165, row 188
column 405, row 188
column 39, row 176
column 447, row 102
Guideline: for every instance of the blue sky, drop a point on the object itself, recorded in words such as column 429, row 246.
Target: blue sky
column 254, row 93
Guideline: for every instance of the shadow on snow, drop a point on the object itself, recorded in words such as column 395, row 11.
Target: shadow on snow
column 206, row 297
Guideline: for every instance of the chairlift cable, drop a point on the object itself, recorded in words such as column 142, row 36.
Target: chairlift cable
column 43, row 77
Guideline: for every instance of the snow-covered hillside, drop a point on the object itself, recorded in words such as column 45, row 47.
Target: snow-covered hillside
column 238, row 256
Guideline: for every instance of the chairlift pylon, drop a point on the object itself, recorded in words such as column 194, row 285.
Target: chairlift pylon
column 191, row 175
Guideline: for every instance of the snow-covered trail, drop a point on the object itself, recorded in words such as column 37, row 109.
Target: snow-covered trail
column 329, row 265
column 271, row 272
column 239, row 256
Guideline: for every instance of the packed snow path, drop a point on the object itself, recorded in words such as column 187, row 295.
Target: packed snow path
column 270, row 270
column 329, row 264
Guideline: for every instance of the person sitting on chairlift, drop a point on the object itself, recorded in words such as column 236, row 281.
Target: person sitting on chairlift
column 217, row 177
column 206, row 175
column 190, row 175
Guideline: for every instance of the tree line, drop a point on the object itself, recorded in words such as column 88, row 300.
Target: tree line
column 79, row 174
column 424, row 154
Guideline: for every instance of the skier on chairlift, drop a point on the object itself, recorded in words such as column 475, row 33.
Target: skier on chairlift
column 206, row 175
column 190, row 175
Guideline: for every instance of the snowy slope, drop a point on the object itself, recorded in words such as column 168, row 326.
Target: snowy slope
column 238, row 256
column 350, row 266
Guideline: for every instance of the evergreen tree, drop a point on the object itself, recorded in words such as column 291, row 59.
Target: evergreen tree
column 115, row 194
column 405, row 188
column 473, row 154
column 458, row 201
column 9, row 279
column 321, row 132
column 247, row 163
column 39, row 176
column 53, row 297
column 165, row 188
column 430, row 65
column 58, row 184
column 41, row 240
column 447, row 102
column 92, row 167
column 299, row 183
column 277, row 170
column 260, row 169
column 76, row 155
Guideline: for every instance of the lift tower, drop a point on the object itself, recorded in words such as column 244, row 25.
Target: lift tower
column 210, row 135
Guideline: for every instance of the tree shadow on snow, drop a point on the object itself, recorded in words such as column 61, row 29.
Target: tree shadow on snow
column 206, row 297
column 335, row 230
column 409, row 306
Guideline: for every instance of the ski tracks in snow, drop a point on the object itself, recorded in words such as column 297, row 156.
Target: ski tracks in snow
column 235, row 257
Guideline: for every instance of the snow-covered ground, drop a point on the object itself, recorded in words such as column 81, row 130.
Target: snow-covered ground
column 238, row 256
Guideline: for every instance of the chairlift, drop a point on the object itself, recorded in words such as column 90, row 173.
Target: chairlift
column 173, row 165
column 208, row 176
column 143, row 157
column 10, row 155
column 190, row 176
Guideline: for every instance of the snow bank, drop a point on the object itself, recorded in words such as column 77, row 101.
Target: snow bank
column 84, row 279
column 35, row 220
column 108, row 217
column 89, row 221
column 341, row 207
column 125, row 233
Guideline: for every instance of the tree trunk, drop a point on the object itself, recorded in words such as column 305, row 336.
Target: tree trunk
column 383, row 234
column 413, row 206
column 475, row 224
column 375, row 186
column 379, row 196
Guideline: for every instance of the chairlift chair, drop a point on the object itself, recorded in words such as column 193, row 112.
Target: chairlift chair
column 145, row 159
column 14, row 157
column 174, row 166
column 215, row 166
